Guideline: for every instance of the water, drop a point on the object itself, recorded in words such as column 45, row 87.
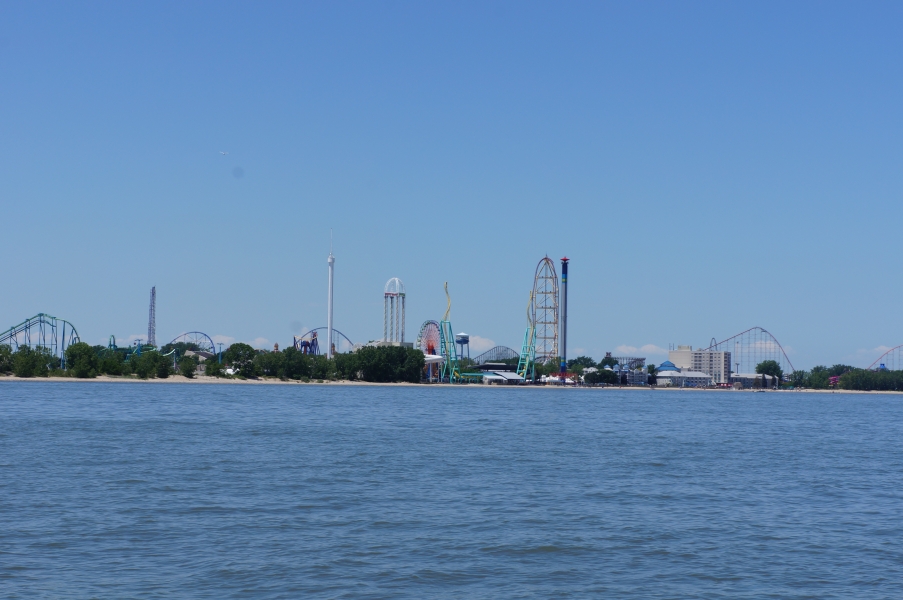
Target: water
column 227, row 491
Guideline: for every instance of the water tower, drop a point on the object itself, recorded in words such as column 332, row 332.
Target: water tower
column 463, row 341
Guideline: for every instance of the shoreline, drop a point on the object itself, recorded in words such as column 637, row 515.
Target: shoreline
column 204, row 380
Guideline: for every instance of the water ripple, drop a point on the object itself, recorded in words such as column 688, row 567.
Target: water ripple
column 358, row 492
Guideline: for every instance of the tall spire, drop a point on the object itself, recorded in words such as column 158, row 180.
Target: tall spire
column 152, row 319
column 331, row 262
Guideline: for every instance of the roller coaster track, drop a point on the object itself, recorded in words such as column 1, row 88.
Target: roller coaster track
column 42, row 330
column 497, row 354
column 892, row 360
column 751, row 347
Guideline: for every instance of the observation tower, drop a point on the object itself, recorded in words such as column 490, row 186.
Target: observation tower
column 393, row 311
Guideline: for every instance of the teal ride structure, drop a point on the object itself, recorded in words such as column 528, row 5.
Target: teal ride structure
column 526, row 364
column 44, row 331
column 448, row 348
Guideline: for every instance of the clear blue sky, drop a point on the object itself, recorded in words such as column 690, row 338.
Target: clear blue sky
column 707, row 167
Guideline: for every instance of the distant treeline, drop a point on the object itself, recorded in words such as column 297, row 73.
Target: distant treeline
column 382, row 364
column 373, row 364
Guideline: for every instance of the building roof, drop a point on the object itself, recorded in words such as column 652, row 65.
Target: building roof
column 686, row 374
column 667, row 366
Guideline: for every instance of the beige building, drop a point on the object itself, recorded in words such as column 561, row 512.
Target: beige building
column 716, row 364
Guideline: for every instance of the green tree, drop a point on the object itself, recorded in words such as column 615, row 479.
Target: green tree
column 241, row 357
column 321, row 367
column 862, row 379
column 269, row 364
column 818, row 377
column 581, row 361
column 111, row 363
column 32, row 362
column 799, row 379
column 163, row 366
column 6, row 359
column 770, row 367
column 347, row 366
column 295, row 364
column 144, row 365
column 214, row 368
column 82, row 361
column 609, row 377
column 390, row 364
column 838, row 370
column 608, row 361
column 187, row 367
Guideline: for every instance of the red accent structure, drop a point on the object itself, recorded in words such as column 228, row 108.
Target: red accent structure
column 880, row 358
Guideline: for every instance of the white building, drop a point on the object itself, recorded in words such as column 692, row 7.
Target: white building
column 716, row 364
column 668, row 375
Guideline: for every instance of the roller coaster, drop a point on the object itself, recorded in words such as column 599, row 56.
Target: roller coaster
column 450, row 371
column 892, row 360
column 42, row 330
column 196, row 340
column 526, row 363
column 309, row 342
column 497, row 354
column 751, row 347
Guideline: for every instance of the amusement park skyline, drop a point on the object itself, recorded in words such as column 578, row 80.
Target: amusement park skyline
column 707, row 168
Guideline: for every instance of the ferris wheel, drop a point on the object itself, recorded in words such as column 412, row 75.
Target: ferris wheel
column 428, row 340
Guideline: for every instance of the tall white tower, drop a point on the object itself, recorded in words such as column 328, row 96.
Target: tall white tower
column 152, row 319
column 393, row 311
column 331, row 262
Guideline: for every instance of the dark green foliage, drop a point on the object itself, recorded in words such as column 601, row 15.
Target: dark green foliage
column 36, row 362
column 581, row 361
column 770, row 367
column 6, row 360
column 376, row 364
column 347, row 367
column 295, row 365
column 214, row 368
column 269, row 364
column 861, row 379
column 82, row 361
column 819, row 377
column 389, row 364
column 112, row 363
column 551, row 367
column 144, row 365
column 187, row 367
column 241, row 358
column 608, row 361
column 321, row 367
column 163, row 366
column 601, row 376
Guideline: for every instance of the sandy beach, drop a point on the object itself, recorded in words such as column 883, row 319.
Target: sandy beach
column 202, row 380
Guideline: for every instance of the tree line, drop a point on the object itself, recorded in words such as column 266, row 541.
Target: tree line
column 372, row 364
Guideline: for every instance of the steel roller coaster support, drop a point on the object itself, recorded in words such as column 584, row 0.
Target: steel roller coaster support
column 42, row 330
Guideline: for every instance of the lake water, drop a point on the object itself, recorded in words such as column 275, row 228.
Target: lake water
column 228, row 491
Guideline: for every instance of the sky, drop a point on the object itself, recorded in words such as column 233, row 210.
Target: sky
column 707, row 167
